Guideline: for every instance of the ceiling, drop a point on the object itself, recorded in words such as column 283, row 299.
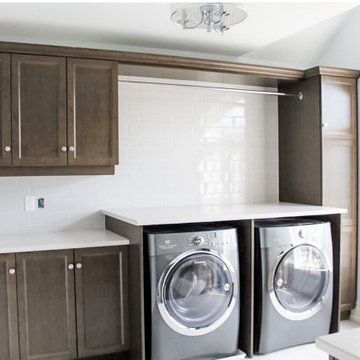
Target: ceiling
column 147, row 26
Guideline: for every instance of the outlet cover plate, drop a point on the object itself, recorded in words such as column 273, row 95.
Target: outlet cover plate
column 29, row 203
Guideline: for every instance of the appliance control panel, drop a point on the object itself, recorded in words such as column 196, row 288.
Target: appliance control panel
column 209, row 239
column 198, row 239
column 179, row 242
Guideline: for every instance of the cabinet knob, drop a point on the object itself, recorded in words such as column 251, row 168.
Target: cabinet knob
column 79, row 265
column 72, row 148
column 7, row 148
column 325, row 124
column 63, row 148
column 71, row 266
column 12, row 271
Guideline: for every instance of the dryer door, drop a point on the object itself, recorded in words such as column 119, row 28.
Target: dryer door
column 196, row 292
column 299, row 282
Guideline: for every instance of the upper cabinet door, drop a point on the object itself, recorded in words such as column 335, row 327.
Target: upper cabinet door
column 39, row 110
column 338, row 107
column 92, row 112
column 5, row 118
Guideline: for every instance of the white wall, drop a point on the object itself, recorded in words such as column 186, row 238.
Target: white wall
column 304, row 49
column 344, row 49
column 177, row 147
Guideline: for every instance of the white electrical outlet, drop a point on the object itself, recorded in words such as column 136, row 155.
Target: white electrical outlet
column 30, row 203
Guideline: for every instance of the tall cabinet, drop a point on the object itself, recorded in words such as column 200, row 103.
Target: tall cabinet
column 339, row 135
column 318, row 156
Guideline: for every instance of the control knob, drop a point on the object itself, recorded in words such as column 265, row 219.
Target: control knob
column 198, row 240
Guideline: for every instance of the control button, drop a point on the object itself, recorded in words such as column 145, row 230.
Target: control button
column 302, row 234
column 167, row 242
column 227, row 287
column 198, row 240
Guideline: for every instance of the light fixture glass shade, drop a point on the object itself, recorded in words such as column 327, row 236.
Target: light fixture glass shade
column 212, row 16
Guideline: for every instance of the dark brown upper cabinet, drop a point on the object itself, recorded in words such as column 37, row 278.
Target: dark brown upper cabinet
column 92, row 112
column 101, row 300
column 9, row 345
column 59, row 116
column 5, row 120
column 46, row 305
column 39, row 110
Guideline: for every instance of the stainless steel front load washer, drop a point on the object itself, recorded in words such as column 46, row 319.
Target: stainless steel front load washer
column 194, row 293
column 293, row 282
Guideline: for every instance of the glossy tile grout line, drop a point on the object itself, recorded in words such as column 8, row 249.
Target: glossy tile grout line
column 307, row 351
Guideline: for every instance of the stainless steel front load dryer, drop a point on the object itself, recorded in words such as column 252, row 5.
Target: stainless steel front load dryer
column 194, row 293
column 294, row 283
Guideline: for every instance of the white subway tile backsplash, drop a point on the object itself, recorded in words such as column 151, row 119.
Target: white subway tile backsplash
column 177, row 146
column 77, row 202
column 139, row 199
column 8, row 204
column 217, row 188
column 40, row 218
column 234, row 110
column 85, row 217
column 81, row 186
column 13, row 219
column 8, row 181
column 206, row 177
column 13, row 190
column 120, row 199
column 212, row 109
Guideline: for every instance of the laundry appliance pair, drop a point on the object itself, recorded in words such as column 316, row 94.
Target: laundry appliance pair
column 195, row 292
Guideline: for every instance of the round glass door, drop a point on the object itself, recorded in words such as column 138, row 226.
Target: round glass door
column 300, row 281
column 197, row 292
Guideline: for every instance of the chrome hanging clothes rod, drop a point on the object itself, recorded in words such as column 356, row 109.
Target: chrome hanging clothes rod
column 299, row 95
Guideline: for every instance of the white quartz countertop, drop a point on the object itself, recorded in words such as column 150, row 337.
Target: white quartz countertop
column 344, row 345
column 208, row 213
column 59, row 240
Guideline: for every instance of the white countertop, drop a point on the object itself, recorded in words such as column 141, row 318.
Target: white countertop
column 207, row 213
column 59, row 240
column 344, row 345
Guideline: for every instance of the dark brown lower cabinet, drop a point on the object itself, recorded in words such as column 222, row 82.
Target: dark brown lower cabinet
column 46, row 305
column 9, row 346
column 101, row 300
column 64, row 304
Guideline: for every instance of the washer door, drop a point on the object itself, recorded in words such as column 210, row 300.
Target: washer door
column 196, row 292
column 299, row 283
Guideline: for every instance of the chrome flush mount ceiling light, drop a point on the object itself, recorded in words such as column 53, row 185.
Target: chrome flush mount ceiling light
column 212, row 16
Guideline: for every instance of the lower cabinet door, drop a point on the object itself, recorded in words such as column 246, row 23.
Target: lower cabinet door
column 348, row 268
column 101, row 300
column 9, row 344
column 46, row 305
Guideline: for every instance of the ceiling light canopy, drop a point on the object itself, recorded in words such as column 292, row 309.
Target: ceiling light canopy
column 212, row 16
